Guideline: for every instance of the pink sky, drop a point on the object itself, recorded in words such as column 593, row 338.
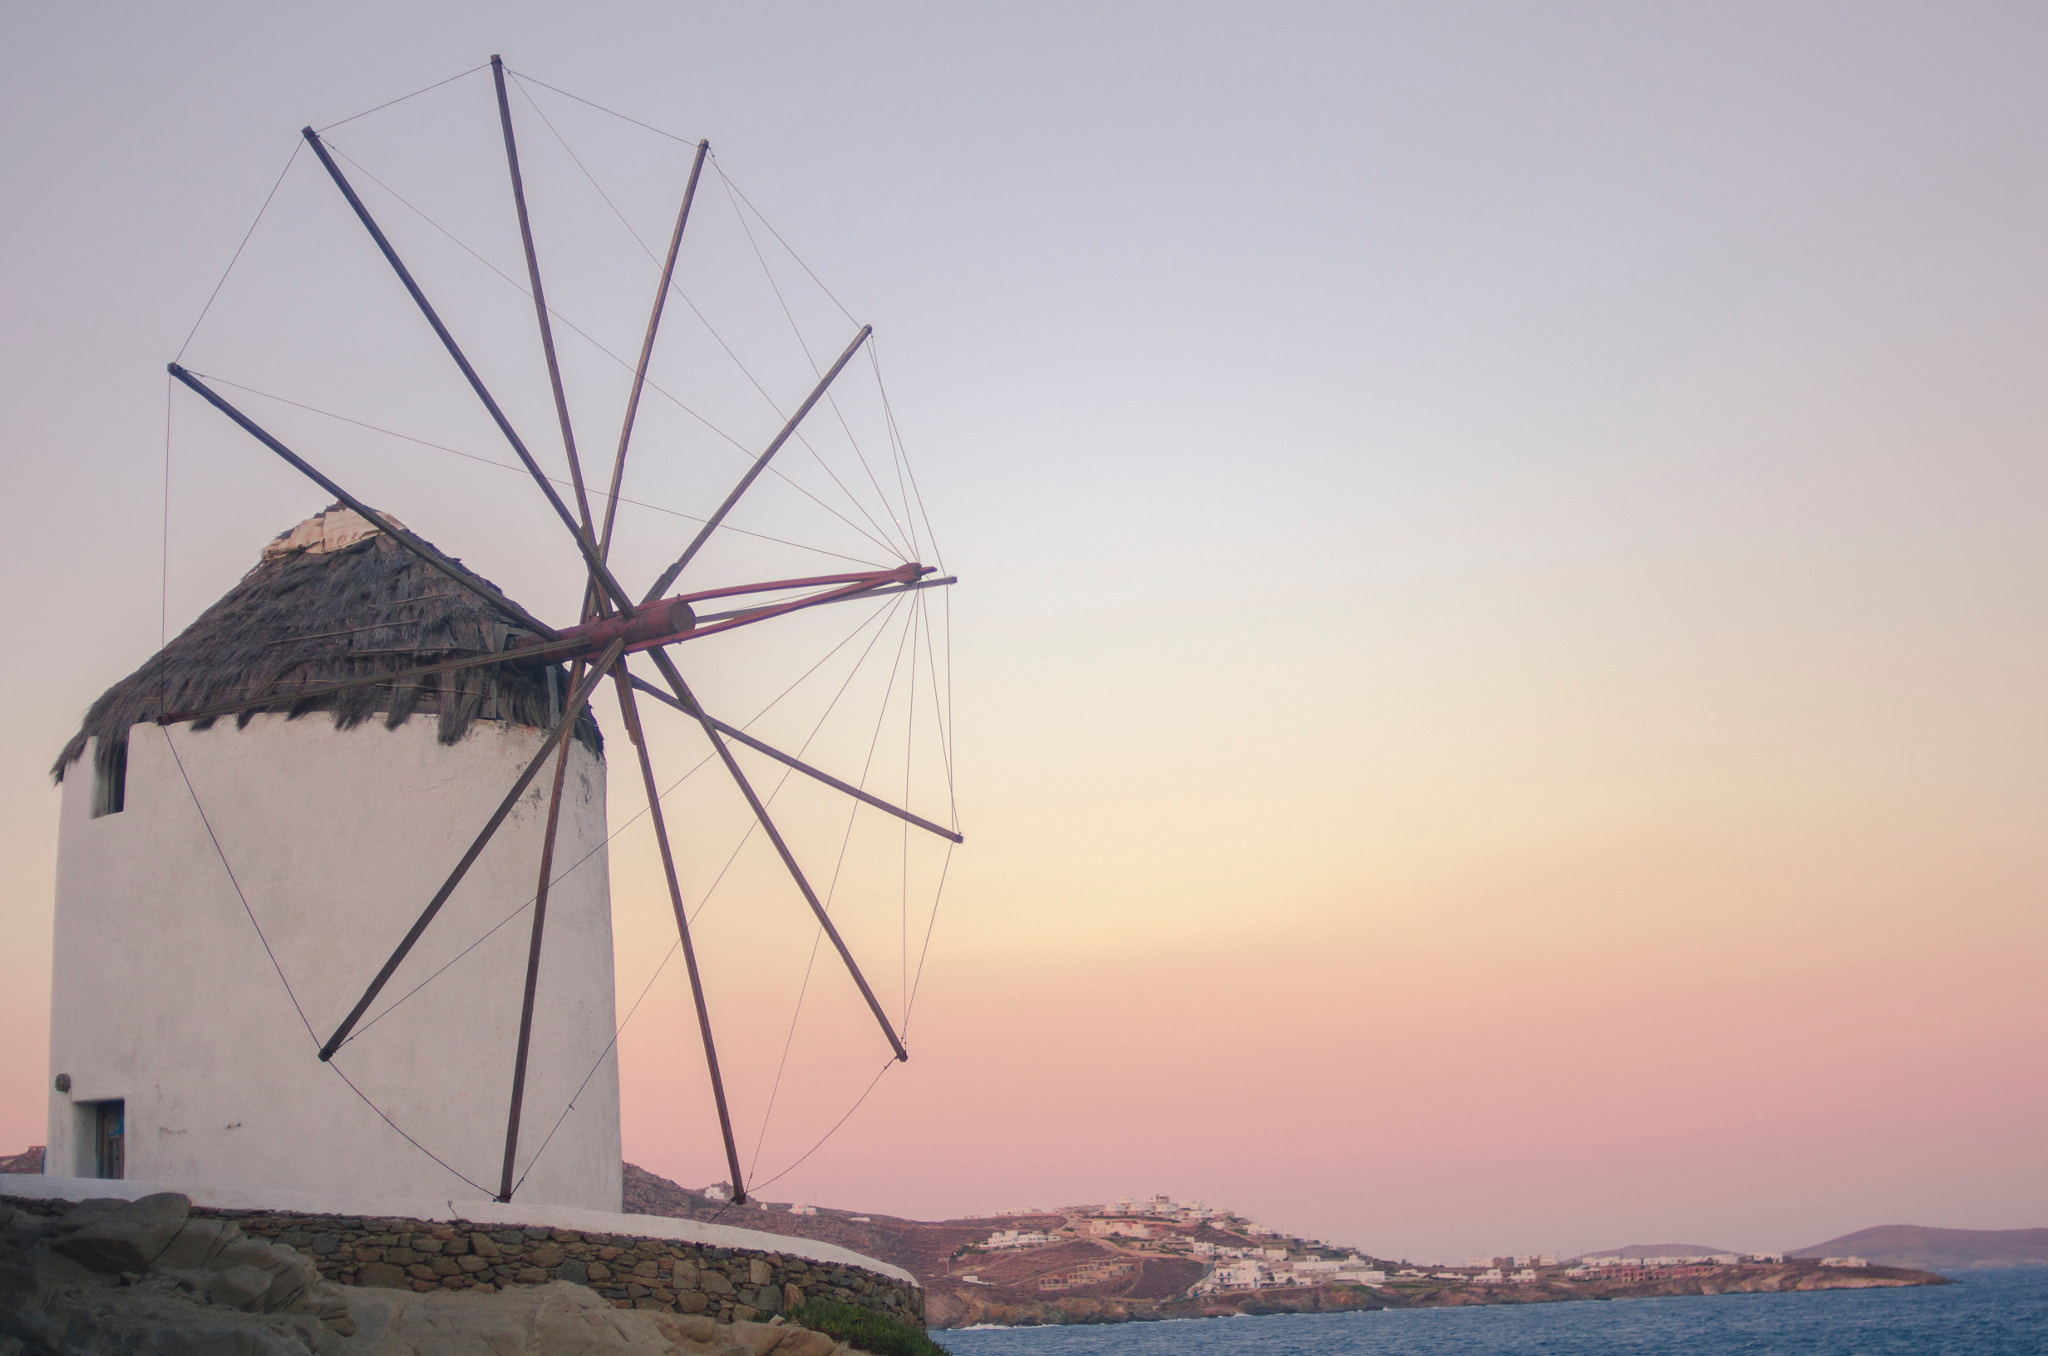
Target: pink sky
column 1498, row 665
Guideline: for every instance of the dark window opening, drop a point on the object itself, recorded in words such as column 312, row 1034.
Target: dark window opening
column 110, row 1157
column 110, row 782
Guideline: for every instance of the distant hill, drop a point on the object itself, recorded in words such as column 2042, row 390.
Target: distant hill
column 923, row 1248
column 29, row 1160
column 1916, row 1246
column 1662, row 1250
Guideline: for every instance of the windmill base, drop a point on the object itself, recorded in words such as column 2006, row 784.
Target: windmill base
column 635, row 1261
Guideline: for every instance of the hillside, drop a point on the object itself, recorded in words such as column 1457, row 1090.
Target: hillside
column 1097, row 1270
column 28, row 1160
column 1925, row 1249
column 1664, row 1250
column 919, row 1247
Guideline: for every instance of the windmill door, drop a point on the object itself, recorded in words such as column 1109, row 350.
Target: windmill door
column 110, row 1140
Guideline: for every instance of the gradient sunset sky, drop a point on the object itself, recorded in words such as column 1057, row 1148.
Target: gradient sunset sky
column 1499, row 665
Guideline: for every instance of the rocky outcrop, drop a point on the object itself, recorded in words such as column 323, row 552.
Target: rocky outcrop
column 149, row 1278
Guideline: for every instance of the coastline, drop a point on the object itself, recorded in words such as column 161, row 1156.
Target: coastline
column 950, row 1309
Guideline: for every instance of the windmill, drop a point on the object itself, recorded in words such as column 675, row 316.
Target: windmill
column 614, row 622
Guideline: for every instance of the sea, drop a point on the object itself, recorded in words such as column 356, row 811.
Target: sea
column 1985, row 1313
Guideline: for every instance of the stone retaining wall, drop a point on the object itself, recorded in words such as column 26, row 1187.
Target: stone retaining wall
column 726, row 1284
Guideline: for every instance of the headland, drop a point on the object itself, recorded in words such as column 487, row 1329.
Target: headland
column 1155, row 1258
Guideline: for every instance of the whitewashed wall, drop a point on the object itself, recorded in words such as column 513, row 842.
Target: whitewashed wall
column 162, row 995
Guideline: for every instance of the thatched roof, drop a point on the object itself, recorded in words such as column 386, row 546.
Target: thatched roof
column 334, row 598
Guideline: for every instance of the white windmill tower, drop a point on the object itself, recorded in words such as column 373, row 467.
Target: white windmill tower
column 179, row 1033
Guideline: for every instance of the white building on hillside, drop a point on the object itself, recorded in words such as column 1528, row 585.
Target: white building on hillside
column 1017, row 1238
column 1239, row 1275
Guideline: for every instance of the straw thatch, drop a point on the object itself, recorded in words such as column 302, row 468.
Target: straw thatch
column 315, row 611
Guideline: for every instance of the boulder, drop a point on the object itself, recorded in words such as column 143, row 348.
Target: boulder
column 558, row 1317
column 804, row 1342
column 86, row 1212
column 127, row 1239
column 240, row 1287
column 20, row 1284
column 198, row 1243
column 758, row 1339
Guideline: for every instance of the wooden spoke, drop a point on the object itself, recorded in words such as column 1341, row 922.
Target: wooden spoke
column 583, row 541
column 631, row 713
column 803, row 884
column 668, row 576
column 750, row 613
column 540, row 300
column 540, row 922
column 668, row 272
column 369, row 515
column 578, row 697
column 736, row 733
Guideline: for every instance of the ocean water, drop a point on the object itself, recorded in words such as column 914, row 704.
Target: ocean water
column 1985, row 1313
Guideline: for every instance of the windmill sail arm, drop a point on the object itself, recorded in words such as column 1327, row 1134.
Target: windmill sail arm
column 571, row 709
column 629, row 711
column 738, row 735
column 592, row 560
column 540, row 298
column 668, row 576
column 796, row 873
column 398, row 534
column 668, row 273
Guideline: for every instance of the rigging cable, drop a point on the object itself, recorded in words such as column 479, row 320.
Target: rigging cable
column 784, row 243
column 702, row 903
column 891, row 1063
column 944, row 712
column 236, row 258
column 163, row 634
column 946, row 867
column 909, row 765
column 942, row 715
column 705, row 321
column 817, row 938
column 601, row 108
column 403, row 97
column 804, row 346
column 520, row 470
column 275, row 965
column 634, row 819
column 889, row 411
column 691, row 141
column 589, row 339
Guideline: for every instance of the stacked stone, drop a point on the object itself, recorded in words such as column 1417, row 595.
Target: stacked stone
column 116, row 1278
column 726, row 1284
